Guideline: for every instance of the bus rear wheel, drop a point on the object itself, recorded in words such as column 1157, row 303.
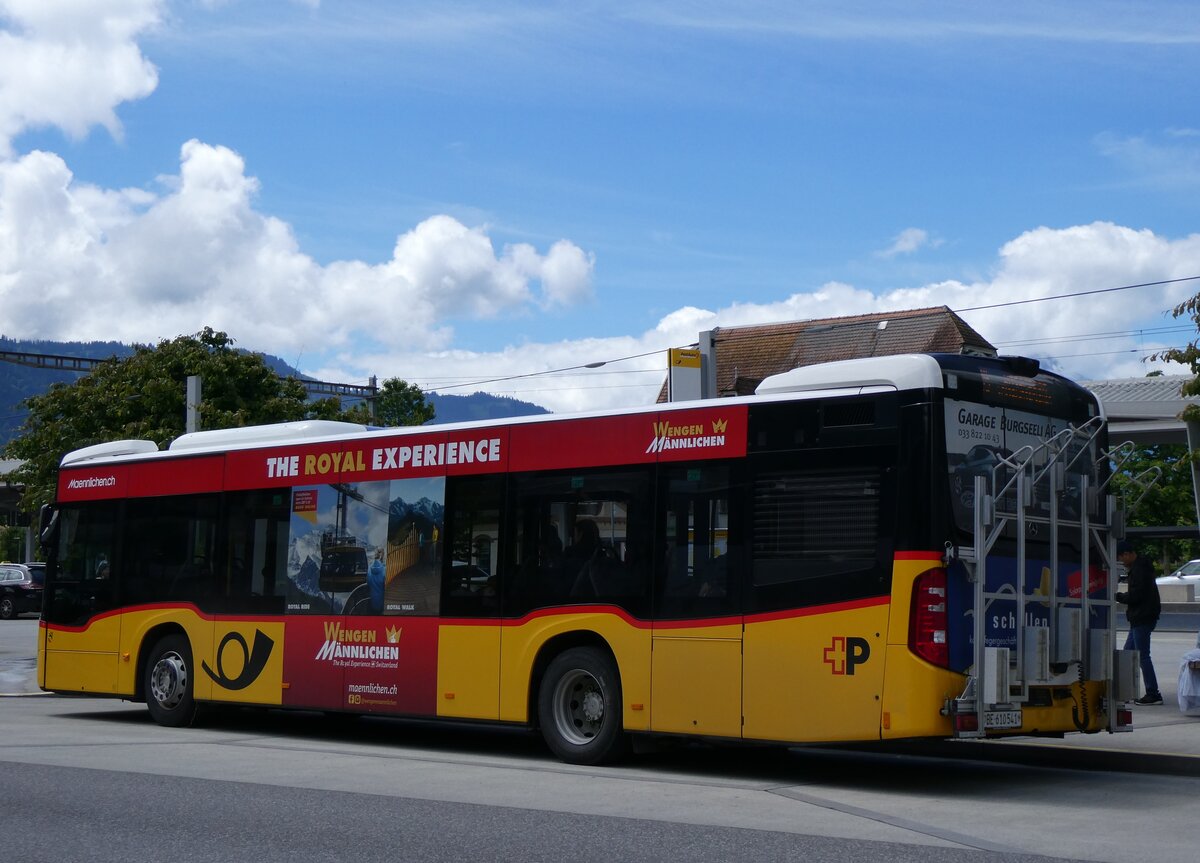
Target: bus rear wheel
column 168, row 682
column 579, row 707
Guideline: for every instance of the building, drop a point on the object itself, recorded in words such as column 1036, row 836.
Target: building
column 747, row 355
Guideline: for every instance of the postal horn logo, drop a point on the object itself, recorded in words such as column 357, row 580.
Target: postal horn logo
column 254, row 660
column 689, row 436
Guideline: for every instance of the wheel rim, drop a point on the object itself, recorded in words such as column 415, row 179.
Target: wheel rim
column 168, row 680
column 579, row 707
column 7, row 607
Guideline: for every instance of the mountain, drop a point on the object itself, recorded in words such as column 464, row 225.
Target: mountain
column 425, row 511
column 479, row 406
column 18, row 382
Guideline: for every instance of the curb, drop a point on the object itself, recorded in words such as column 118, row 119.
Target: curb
column 1064, row 756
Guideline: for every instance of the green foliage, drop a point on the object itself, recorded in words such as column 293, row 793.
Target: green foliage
column 143, row 397
column 1188, row 355
column 399, row 403
column 11, row 542
column 1169, row 502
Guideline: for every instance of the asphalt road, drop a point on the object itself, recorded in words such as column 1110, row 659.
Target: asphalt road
column 95, row 780
column 97, row 815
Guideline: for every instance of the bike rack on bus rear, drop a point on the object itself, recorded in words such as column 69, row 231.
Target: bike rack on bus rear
column 1070, row 649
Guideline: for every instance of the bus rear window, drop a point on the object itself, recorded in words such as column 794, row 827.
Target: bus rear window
column 984, row 440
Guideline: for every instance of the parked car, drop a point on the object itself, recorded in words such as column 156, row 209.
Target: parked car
column 20, row 588
column 1189, row 573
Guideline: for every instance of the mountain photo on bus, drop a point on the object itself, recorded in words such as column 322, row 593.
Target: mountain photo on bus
column 364, row 548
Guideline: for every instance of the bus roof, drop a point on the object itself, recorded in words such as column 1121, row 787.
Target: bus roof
column 844, row 378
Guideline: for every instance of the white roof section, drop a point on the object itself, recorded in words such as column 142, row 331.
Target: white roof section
column 110, row 450
column 274, row 433
column 900, row 372
column 851, row 377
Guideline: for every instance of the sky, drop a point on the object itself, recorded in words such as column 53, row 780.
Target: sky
column 479, row 196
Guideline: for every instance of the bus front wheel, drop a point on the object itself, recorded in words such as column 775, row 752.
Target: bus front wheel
column 168, row 683
column 579, row 707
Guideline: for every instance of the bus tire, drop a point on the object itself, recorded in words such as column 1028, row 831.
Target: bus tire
column 168, row 682
column 579, row 707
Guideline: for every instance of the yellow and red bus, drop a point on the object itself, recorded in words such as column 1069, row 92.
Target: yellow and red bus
column 831, row 559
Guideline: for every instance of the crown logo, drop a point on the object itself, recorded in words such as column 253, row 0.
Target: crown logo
column 393, row 635
column 719, row 426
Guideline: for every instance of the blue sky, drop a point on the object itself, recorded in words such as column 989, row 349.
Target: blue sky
column 452, row 192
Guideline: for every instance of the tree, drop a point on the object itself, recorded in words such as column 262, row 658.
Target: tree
column 11, row 543
column 1188, row 355
column 1170, row 501
column 144, row 397
column 399, row 403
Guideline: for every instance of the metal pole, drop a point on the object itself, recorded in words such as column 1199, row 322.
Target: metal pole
column 192, row 422
column 1193, row 442
column 708, row 365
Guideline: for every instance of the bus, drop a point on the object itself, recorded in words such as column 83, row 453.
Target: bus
column 878, row 549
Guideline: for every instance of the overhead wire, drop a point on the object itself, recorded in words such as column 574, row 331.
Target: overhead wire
column 1078, row 294
column 591, row 365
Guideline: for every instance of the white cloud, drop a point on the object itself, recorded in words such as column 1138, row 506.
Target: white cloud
column 69, row 63
column 908, row 241
column 1044, row 262
column 135, row 266
column 82, row 262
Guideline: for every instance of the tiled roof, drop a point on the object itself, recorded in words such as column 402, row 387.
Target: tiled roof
column 1142, row 398
column 746, row 355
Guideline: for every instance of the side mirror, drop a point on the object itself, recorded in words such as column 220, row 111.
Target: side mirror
column 48, row 527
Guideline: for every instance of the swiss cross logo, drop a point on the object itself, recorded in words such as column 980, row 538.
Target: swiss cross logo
column 845, row 653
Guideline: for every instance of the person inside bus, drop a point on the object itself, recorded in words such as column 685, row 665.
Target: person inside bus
column 1142, row 608
column 102, row 570
column 580, row 552
column 586, row 544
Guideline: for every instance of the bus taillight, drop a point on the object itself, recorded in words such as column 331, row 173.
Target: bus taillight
column 927, row 619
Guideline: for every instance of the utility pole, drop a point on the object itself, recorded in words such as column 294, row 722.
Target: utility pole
column 192, row 420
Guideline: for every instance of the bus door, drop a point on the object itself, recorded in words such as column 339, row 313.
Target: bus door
column 816, row 611
column 468, row 645
column 82, row 643
column 696, row 667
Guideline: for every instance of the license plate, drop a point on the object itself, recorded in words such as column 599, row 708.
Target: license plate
column 1001, row 719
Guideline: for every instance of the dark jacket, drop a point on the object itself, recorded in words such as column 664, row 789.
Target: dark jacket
column 1142, row 605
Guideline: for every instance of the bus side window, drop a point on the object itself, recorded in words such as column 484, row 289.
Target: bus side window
column 253, row 569
column 582, row 538
column 470, row 571
column 169, row 550
column 822, row 530
column 87, row 576
column 699, row 567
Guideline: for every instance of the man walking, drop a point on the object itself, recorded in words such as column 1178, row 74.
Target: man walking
column 1142, row 608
